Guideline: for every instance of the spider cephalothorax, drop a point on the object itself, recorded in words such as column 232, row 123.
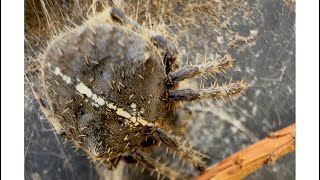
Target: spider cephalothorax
column 110, row 86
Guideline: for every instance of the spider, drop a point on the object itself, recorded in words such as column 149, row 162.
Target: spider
column 111, row 86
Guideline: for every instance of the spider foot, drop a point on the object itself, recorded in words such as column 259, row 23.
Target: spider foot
column 157, row 166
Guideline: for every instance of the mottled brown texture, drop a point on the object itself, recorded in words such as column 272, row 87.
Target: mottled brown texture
column 107, row 88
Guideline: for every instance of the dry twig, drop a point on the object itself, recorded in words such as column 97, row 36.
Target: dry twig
column 246, row 161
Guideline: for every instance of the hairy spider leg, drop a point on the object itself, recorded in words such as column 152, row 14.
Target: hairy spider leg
column 215, row 91
column 189, row 154
column 157, row 166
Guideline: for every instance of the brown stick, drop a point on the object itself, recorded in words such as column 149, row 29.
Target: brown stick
column 246, row 161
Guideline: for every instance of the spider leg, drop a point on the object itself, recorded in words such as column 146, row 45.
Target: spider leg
column 171, row 52
column 216, row 66
column 31, row 68
column 170, row 49
column 118, row 15
column 114, row 163
column 54, row 120
column 156, row 166
column 212, row 92
column 188, row 153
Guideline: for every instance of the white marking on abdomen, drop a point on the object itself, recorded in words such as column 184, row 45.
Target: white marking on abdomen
column 98, row 101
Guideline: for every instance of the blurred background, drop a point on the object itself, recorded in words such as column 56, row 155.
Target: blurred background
column 259, row 35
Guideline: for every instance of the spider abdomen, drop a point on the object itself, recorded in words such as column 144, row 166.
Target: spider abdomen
column 102, row 82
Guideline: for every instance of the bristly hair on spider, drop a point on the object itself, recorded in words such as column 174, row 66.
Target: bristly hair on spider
column 111, row 86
